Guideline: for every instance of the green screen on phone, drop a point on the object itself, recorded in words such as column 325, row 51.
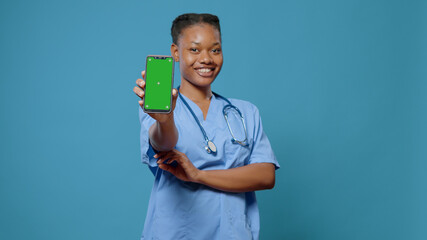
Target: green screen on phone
column 158, row 84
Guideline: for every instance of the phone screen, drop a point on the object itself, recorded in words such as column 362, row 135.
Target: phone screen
column 158, row 84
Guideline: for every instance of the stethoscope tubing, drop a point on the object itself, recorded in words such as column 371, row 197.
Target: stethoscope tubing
column 210, row 146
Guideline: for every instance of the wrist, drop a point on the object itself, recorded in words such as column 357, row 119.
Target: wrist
column 200, row 177
column 167, row 119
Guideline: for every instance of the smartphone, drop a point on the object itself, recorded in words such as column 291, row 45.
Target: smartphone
column 158, row 84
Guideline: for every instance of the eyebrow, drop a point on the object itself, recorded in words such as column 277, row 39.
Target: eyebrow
column 215, row 44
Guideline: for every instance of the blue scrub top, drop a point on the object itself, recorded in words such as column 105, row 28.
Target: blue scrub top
column 184, row 210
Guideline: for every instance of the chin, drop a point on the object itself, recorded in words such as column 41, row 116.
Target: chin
column 199, row 81
column 203, row 84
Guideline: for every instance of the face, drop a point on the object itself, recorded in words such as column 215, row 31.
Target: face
column 199, row 54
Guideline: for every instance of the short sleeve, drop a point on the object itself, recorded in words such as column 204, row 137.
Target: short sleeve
column 261, row 149
column 147, row 151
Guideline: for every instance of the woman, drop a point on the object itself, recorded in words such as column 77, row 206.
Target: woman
column 204, row 182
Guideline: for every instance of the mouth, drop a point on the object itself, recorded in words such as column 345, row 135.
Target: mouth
column 205, row 71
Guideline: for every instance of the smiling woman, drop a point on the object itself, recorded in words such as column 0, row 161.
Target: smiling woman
column 200, row 56
column 205, row 178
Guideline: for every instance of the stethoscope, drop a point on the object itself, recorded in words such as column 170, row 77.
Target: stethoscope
column 210, row 146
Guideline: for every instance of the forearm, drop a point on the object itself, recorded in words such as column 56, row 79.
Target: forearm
column 164, row 135
column 252, row 177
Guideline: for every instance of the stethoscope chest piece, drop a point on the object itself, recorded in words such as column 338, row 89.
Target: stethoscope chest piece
column 210, row 147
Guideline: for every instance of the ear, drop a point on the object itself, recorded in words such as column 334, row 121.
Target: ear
column 175, row 52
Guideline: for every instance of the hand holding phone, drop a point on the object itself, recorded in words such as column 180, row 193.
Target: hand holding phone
column 166, row 132
column 141, row 89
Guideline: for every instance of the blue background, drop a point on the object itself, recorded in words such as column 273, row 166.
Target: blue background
column 341, row 87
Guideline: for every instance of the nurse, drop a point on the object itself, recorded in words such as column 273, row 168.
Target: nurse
column 205, row 177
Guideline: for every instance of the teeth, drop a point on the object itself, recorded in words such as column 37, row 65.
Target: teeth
column 204, row 70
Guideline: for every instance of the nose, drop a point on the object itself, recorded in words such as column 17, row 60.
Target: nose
column 205, row 57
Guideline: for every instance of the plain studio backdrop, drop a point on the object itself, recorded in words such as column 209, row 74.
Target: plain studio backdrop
column 341, row 87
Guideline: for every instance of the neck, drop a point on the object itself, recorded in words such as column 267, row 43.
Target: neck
column 195, row 93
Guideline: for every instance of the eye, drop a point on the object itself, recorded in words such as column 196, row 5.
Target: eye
column 194, row 50
column 217, row 50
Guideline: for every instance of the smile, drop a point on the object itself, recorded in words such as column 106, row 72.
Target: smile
column 204, row 70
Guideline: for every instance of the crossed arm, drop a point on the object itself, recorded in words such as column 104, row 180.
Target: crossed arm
column 252, row 177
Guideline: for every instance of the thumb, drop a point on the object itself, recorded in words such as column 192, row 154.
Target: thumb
column 174, row 93
column 174, row 97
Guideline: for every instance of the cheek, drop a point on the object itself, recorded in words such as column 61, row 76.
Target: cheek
column 219, row 61
column 186, row 65
column 187, row 60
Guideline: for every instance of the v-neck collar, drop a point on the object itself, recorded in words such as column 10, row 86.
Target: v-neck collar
column 198, row 112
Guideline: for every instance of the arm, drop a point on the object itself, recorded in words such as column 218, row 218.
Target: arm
column 252, row 177
column 163, row 133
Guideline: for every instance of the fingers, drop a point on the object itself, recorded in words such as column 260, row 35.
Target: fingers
column 169, row 157
column 166, row 160
column 165, row 157
column 139, row 90
column 166, row 167
column 141, row 83
column 164, row 154
column 143, row 74
column 183, row 170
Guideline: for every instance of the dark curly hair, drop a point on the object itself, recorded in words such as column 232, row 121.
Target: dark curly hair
column 186, row 20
